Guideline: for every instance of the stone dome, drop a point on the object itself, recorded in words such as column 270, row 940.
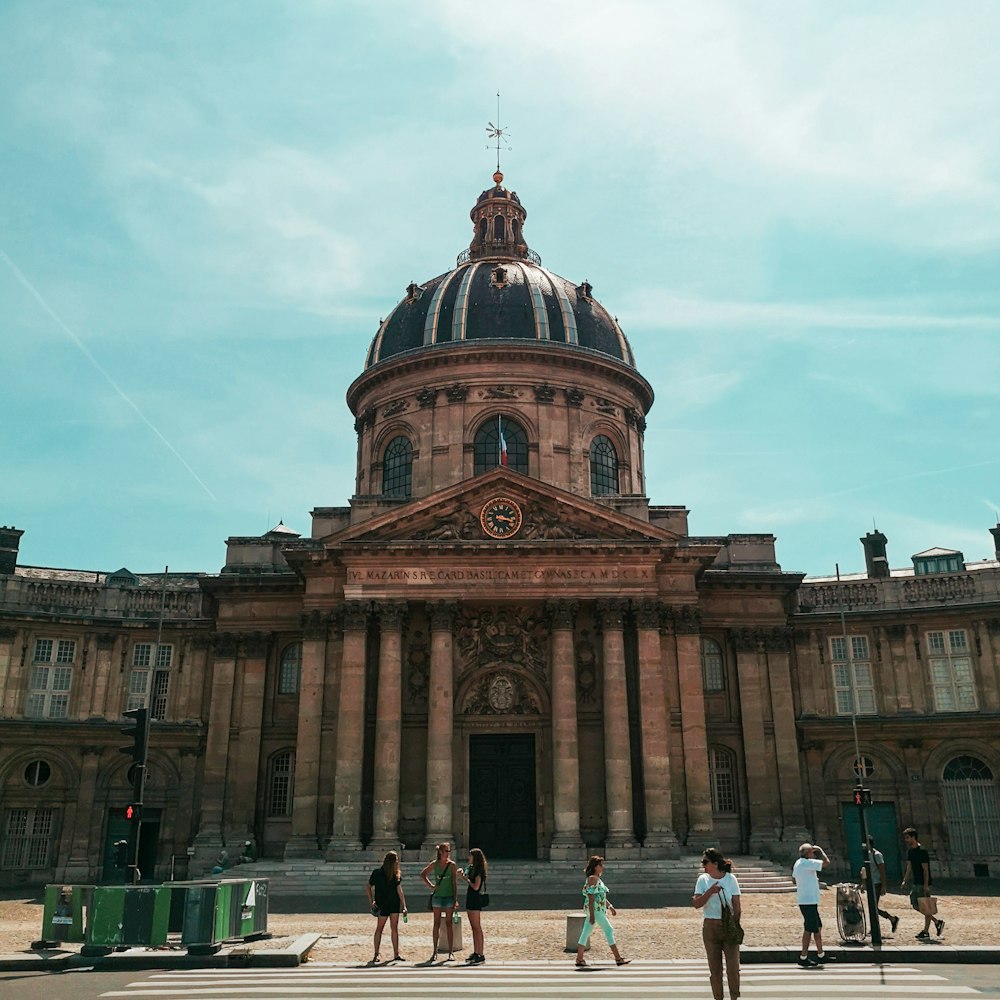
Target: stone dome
column 499, row 291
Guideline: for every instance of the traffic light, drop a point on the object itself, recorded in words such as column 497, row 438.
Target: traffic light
column 862, row 796
column 139, row 734
column 121, row 854
column 133, row 811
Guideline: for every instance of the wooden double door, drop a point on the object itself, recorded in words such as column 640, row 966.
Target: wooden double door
column 502, row 819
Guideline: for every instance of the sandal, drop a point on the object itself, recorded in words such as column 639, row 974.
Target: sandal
column 582, row 965
column 622, row 961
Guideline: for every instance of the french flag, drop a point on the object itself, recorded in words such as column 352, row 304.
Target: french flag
column 503, row 441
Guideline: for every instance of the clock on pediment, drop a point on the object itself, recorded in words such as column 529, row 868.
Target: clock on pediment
column 501, row 517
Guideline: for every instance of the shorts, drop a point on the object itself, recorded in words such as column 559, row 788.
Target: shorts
column 811, row 922
column 916, row 893
column 443, row 903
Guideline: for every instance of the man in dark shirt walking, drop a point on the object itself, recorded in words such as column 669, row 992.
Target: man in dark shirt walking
column 918, row 876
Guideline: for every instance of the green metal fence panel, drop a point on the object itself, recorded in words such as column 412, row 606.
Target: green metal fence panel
column 63, row 912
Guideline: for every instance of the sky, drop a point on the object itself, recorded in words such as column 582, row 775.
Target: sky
column 793, row 208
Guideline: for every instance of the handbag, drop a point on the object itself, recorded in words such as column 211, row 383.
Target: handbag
column 732, row 930
column 927, row 905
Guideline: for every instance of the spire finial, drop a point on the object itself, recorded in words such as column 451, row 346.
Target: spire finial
column 502, row 136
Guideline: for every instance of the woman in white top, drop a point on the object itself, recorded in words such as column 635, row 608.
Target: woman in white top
column 716, row 887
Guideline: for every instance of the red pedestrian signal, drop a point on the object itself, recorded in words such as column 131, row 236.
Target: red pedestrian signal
column 133, row 811
column 129, row 810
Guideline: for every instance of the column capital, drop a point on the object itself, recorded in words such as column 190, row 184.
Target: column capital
column 105, row 640
column 355, row 616
column 225, row 645
column 442, row 615
column 778, row 640
column 648, row 613
column 685, row 619
column 391, row 614
column 254, row 644
column 562, row 613
column 315, row 624
column 611, row 613
column 746, row 640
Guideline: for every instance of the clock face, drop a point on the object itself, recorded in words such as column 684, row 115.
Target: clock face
column 501, row 518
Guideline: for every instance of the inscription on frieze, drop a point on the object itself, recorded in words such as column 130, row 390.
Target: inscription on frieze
column 499, row 574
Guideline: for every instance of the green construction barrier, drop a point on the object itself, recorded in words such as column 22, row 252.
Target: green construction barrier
column 63, row 914
column 129, row 915
column 220, row 910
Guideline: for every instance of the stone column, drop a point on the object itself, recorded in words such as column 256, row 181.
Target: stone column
column 660, row 840
column 103, row 672
column 761, row 777
column 208, row 840
column 245, row 779
column 388, row 729
column 687, row 635
column 346, row 839
column 786, row 744
column 620, row 839
column 12, row 655
column 304, row 841
column 440, row 726
column 78, row 867
column 567, row 844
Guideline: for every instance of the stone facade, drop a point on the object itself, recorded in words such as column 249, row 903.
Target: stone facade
column 517, row 656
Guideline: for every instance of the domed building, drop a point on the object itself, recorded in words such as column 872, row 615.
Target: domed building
column 503, row 633
column 498, row 641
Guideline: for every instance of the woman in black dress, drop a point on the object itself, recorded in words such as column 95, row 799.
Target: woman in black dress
column 385, row 897
column 475, row 876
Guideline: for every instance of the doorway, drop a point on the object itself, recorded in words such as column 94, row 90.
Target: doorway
column 502, row 795
column 882, row 828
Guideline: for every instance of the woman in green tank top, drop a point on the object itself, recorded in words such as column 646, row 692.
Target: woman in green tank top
column 444, row 896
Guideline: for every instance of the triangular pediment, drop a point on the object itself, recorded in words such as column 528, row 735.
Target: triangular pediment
column 548, row 515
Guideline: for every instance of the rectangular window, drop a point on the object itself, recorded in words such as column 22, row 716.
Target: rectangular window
column 43, row 651
column 952, row 677
column 148, row 687
column 48, row 692
column 27, row 838
column 854, row 679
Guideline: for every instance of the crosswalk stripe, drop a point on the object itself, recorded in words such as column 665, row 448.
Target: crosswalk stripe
column 679, row 980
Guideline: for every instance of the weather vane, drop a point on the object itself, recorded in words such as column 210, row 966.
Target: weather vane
column 500, row 133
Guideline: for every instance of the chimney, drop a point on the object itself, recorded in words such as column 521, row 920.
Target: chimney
column 995, row 532
column 875, row 558
column 10, row 540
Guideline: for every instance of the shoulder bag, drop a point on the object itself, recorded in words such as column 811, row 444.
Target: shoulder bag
column 732, row 931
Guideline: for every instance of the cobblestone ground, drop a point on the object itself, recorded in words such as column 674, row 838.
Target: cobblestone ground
column 671, row 932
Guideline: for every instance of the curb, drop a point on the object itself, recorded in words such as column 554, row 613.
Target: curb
column 935, row 953
column 142, row 959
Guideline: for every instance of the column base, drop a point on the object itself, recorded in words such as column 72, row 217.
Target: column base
column 700, row 837
column 77, row 871
column 429, row 846
column 382, row 845
column 622, row 846
column 343, row 849
column 207, row 845
column 566, row 847
column 302, row 846
column 662, row 844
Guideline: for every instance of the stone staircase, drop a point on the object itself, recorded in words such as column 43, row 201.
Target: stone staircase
column 318, row 886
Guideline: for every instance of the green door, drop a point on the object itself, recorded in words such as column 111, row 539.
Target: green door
column 882, row 827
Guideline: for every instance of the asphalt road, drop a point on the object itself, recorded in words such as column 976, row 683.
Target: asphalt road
column 642, row 979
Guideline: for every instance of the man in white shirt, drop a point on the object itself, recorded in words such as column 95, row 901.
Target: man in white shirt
column 812, row 860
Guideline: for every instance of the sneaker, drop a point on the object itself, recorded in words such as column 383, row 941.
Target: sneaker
column 893, row 924
column 939, row 927
column 824, row 958
column 807, row 962
column 923, row 936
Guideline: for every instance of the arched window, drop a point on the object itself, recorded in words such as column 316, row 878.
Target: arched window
column 713, row 672
column 397, row 468
column 603, row 467
column 498, row 233
column 484, row 227
column 515, row 230
column 971, row 806
column 280, row 781
column 487, row 453
column 290, row 669
column 722, row 780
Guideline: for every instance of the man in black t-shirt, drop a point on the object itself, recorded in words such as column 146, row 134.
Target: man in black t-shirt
column 918, row 876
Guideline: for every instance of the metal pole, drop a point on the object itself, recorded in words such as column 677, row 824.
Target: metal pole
column 867, row 855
